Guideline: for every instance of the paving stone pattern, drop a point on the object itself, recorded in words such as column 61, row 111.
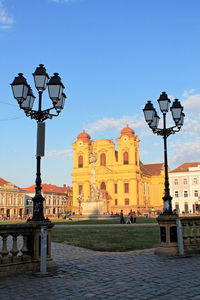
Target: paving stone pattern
column 86, row 275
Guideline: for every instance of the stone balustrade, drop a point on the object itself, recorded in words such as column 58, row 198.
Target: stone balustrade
column 191, row 234
column 20, row 247
column 168, row 237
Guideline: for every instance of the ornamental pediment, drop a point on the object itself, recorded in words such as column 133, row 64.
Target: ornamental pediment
column 9, row 186
column 103, row 170
column 103, row 142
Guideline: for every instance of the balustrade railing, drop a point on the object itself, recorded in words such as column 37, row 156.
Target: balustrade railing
column 191, row 234
column 20, row 247
column 13, row 247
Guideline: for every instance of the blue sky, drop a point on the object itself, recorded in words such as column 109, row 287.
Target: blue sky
column 112, row 56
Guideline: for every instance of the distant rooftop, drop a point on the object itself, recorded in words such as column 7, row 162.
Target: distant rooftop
column 4, row 182
column 152, row 169
column 185, row 167
column 49, row 188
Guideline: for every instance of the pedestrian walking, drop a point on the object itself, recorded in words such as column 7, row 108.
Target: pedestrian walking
column 131, row 213
column 122, row 217
column 128, row 221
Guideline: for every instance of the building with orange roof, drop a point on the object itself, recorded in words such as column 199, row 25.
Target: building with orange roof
column 11, row 200
column 185, row 188
column 58, row 200
column 125, row 182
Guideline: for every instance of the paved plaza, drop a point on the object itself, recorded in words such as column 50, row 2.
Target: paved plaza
column 84, row 274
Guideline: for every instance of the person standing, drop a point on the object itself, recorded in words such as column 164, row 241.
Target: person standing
column 134, row 217
column 122, row 217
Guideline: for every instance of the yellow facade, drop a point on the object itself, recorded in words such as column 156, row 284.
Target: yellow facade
column 11, row 200
column 124, row 181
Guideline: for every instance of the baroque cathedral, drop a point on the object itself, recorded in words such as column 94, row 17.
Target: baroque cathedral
column 124, row 181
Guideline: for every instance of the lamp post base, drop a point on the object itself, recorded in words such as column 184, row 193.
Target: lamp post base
column 38, row 214
column 167, row 210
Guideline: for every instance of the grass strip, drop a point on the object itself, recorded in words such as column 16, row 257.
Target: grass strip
column 139, row 220
column 114, row 239
column 115, row 220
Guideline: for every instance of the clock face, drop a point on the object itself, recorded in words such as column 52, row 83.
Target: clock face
column 125, row 139
column 80, row 143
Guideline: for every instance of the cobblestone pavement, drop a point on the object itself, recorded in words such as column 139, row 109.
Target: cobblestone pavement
column 86, row 275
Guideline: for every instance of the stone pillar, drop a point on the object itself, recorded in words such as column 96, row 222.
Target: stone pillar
column 198, row 232
column 25, row 250
column 75, row 195
column 92, row 161
column 35, row 243
column 133, row 193
column 110, row 188
column 86, row 190
column 168, row 242
column 120, row 187
column 4, row 252
column 14, row 250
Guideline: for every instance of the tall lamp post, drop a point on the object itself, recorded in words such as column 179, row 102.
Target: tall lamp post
column 152, row 120
column 64, row 204
column 22, row 92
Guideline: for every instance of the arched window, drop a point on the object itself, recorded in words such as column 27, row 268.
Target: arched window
column 125, row 155
column 126, row 187
column 103, row 186
column 80, row 161
column 126, row 201
column 80, row 189
column 102, row 159
column 144, row 187
column 136, row 157
column 115, row 188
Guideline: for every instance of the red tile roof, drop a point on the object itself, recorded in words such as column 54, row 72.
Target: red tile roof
column 145, row 171
column 153, row 169
column 84, row 136
column 184, row 167
column 49, row 188
column 4, row 182
column 128, row 131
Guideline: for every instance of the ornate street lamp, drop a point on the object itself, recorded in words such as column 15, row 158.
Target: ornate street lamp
column 149, row 112
column 64, row 204
column 80, row 200
column 22, row 92
column 152, row 119
column 20, row 88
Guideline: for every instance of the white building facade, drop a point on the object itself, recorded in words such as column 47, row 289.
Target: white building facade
column 185, row 188
column 57, row 200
